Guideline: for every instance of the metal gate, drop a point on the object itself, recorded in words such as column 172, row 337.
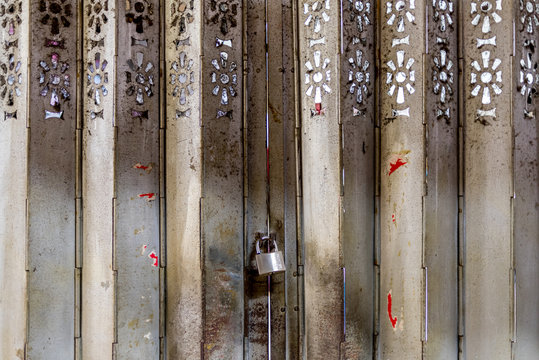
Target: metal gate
column 389, row 147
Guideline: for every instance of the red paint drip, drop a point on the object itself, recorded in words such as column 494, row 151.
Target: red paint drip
column 150, row 196
column 391, row 318
column 154, row 256
column 397, row 164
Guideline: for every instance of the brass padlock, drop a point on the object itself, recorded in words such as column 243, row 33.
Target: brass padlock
column 270, row 262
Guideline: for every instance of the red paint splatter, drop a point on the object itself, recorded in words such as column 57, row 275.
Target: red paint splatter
column 318, row 108
column 154, row 256
column 150, row 196
column 140, row 166
column 393, row 217
column 395, row 165
column 391, row 318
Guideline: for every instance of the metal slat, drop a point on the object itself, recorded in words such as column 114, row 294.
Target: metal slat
column 402, row 178
column 487, row 182
column 184, row 168
column 357, row 116
column 222, row 230
column 51, row 186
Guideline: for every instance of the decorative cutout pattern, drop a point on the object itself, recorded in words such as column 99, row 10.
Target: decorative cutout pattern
column 182, row 15
column 97, row 79
column 96, row 12
column 360, row 12
column 10, row 80
column 10, row 14
column 443, row 13
column 359, row 77
column 182, row 78
column 224, row 13
column 140, row 77
column 54, row 80
column 400, row 12
column 55, row 13
column 318, row 77
column 316, row 14
column 528, row 75
column 224, row 78
column 401, row 76
column 139, row 12
column 484, row 12
column 529, row 15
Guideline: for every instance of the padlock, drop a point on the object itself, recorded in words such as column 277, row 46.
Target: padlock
column 270, row 262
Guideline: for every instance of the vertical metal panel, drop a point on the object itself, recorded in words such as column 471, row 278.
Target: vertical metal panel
column 357, row 114
column 402, row 178
column 222, row 227
column 288, row 161
column 51, row 181
column 98, row 286
column 487, row 177
column 184, row 170
column 526, row 217
column 256, row 211
column 13, row 142
column 441, row 202
column 137, row 171
column 321, row 177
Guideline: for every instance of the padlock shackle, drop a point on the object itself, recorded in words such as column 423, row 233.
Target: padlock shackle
column 266, row 238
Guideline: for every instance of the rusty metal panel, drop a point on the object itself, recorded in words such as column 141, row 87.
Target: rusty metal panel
column 319, row 39
column 357, row 116
column 13, row 142
column 526, row 171
column 441, row 201
column 222, row 209
column 256, row 182
column 402, row 157
column 487, row 26
column 51, row 181
column 98, row 154
column 137, row 170
column 183, row 180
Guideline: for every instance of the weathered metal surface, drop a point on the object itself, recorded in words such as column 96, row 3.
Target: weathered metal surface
column 137, row 170
column 256, row 181
column 441, row 201
column 51, row 181
column 526, row 174
column 98, row 280
column 289, row 191
column 487, row 29
column 222, row 209
column 357, row 116
column 183, row 181
column 402, row 168
column 321, row 177
column 13, row 142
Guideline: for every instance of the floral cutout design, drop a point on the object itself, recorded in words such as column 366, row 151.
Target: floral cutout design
column 182, row 14
column 486, row 77
column 98, row 79
column 400, row 12
column 442, row 76
column 528, row 75
column 10, row 79
column 11, row 16
column 96, row 12
column 139, row 12
column 443, row 13
column 315, row 13
column 483, row 11
column 401, row 77
column 318, row 78
column 142, row 75
column 224, row 13
column 529, row 15
column 55, row 13
column 54, row 80
column 182, row 78
column 360, row 12
column 224, row 77
column 359, row 77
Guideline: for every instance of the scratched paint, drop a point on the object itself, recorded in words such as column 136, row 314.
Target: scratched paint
column 148, row 196
column 392, row 319
column 155, row 258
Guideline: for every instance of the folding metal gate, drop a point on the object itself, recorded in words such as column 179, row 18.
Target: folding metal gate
column 389, row 147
